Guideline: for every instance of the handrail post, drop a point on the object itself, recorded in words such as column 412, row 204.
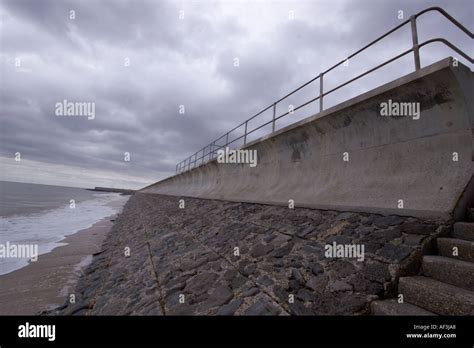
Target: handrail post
column 227, row 139
column 321, row 92
column 245, row 133
column 273, row 121
column 414, row 37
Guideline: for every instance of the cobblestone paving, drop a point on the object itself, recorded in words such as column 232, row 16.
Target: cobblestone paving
column 184, row 262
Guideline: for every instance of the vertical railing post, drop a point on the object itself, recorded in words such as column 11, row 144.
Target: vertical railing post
column 274, row 114
column 245, row 133
column 321, row 92
column 227, row 139
column 203, row 154
column 414, row 37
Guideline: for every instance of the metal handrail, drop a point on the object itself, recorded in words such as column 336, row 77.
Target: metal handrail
column 213, row 148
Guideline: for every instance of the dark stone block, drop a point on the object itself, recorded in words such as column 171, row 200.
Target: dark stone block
column 417, row 228
column 305, row 295
column 220, row 295
column 262, row 307
column 230, row 308
column 284, row 250
column 394, row 252
column 305, row 231
column 386, row 221
column 317, row 268
column 297, row 308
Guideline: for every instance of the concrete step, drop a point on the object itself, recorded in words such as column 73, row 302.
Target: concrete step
column 436, row 297
column 448, row 270
column 463, row 230
column 470, row 214
column 392, row 307
column 465, row 248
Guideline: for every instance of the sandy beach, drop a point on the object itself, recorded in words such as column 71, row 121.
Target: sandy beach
column 45, row 284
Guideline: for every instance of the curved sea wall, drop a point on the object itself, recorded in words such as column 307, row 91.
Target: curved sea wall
column 353, row 158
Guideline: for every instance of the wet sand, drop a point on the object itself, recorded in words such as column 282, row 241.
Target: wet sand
column 46, row 284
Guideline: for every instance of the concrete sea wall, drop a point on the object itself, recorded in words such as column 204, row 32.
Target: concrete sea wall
column 396, row 165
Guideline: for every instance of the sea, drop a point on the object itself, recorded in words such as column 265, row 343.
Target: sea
column 43, row 215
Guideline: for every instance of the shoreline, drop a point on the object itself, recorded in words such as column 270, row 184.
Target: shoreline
column 45, row 284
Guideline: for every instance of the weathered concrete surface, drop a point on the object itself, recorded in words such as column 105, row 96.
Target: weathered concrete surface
column 444, row 285
column 392, row 307
column 464, row 230
column 449, row 270
column 390, row 158
column 191, row 252
column 459, row 248
column 436, row 296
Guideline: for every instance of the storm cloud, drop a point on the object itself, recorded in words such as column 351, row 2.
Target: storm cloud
column 139, row 61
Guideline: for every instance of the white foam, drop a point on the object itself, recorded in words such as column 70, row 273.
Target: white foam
column 47, row 229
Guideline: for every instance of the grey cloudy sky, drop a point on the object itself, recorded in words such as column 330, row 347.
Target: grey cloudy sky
column 46, row 56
